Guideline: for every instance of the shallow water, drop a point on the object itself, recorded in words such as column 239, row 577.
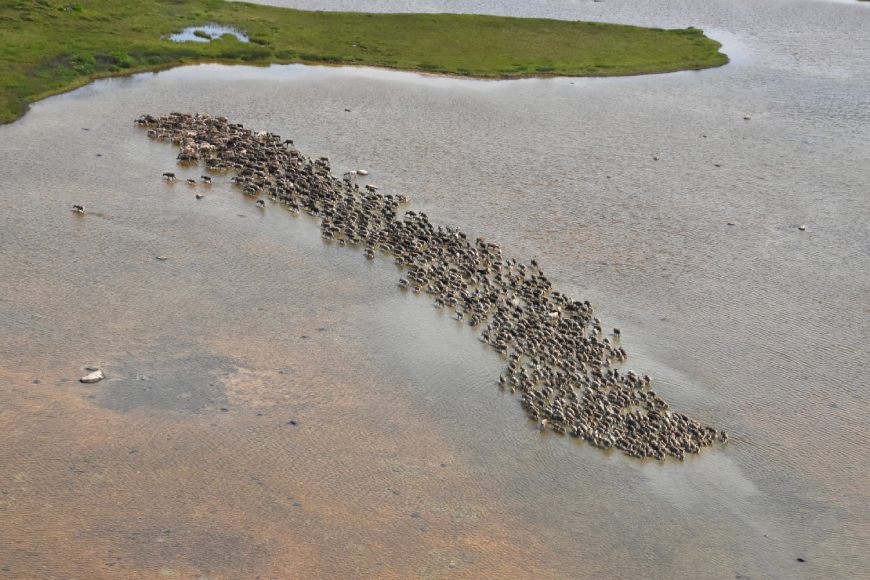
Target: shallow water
column 213, row 30
column 406, row 459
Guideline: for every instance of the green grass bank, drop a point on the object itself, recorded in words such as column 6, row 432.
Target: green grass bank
column 52, row 46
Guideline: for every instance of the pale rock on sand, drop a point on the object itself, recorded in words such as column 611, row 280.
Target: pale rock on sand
column 93, row 377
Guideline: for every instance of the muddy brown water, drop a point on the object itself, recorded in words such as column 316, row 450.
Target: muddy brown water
column 275, row 406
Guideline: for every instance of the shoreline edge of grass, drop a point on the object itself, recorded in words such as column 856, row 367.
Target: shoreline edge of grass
column 50, row 47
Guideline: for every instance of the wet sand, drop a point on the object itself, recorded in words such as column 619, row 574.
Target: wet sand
column 758, row 328
column 185, row 461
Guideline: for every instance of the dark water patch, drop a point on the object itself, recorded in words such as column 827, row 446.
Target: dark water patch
column 190, row 382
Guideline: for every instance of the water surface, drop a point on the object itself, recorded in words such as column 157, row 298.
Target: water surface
column 212, row 31
column 405, row 458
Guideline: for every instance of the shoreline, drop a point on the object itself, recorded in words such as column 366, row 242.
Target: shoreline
column 53, row 49
column 126, row 73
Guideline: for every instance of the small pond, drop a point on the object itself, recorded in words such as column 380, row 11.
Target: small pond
column 206, row 33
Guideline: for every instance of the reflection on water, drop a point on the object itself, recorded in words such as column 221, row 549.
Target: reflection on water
column 275, row 406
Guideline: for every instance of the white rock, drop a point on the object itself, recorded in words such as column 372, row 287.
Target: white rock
column 362, row 172
column 93, row 377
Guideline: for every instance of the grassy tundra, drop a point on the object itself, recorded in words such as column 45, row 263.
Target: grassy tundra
column 51, row 46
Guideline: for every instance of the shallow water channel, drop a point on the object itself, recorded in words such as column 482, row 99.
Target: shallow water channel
column 276, row 406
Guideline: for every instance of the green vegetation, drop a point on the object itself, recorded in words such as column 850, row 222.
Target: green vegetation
column 51, row 46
